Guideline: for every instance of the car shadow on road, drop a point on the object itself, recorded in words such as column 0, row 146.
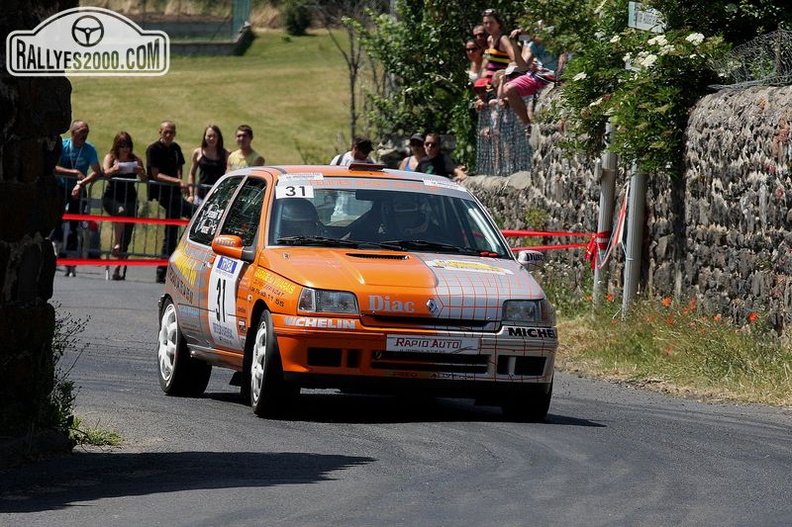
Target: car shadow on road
column 58, row 483
column 330, row 406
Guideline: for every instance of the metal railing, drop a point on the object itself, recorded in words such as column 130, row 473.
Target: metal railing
column 502, row 146
column 90, row 235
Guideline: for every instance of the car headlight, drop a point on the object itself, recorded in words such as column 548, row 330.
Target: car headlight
column 321, row 301
column 539, row 312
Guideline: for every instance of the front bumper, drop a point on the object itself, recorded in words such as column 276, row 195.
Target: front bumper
column 337, row 353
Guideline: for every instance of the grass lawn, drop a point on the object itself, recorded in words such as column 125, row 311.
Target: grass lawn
column 293, row 91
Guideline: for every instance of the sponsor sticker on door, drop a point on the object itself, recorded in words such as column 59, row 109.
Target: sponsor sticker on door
column 87, row 41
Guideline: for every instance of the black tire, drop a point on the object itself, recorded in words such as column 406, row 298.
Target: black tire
column 270, row 395
column 527, row 408
column 179, row 373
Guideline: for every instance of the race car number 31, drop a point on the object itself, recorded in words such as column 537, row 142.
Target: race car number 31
column 222, row 300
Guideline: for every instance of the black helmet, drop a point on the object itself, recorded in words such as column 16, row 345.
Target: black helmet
column 298, row 217
column 298, row 209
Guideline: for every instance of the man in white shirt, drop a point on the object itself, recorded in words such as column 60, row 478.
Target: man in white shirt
column 361, row 148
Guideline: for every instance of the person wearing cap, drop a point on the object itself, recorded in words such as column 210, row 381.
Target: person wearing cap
column 361, row 148
column 410, row 163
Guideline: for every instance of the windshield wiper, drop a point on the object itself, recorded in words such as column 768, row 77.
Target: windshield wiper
column 316, row 240
column 437, row 246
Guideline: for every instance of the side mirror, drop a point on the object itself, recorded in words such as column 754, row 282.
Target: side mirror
column 531, row 259
column 228, row 245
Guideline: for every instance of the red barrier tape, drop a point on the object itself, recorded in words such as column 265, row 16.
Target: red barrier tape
column 116, row 261
column 125, row 219
column 526, row 234
column 593, row 246
column 550, row 247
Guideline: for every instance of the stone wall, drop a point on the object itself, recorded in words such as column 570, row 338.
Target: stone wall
column 721, row 235
column 33, row 112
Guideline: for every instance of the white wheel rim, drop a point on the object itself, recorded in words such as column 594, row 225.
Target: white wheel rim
column 257, row 365
column 166, row 352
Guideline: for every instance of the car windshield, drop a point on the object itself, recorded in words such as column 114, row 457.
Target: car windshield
column 414, row 217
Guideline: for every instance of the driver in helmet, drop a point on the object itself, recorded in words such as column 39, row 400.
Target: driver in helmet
column 298, row 217
column 405, row 218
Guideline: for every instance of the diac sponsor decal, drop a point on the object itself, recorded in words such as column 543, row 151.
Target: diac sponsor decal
column 87, row 41
column 392, row 305
column 461, row 265
column 325, row 323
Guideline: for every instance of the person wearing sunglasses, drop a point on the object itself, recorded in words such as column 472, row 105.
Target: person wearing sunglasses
column 418, row 152
column 437, row 162
column 475, row 55
column 120, row 195
column 480, row 34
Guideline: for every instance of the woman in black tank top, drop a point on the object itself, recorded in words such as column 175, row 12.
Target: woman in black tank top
column 208, row 163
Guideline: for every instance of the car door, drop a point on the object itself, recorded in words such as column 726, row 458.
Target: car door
column 199, row 251
column 226, row 315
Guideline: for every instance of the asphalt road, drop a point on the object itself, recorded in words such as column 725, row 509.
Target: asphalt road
column 607, row 455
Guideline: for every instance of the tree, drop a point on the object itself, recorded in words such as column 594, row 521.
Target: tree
column 354, row 16
column 647, row 102
column 421, row 48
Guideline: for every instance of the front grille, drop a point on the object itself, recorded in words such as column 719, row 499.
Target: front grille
column 429, row 362
column 523, row 366
column 324, row 357
column 384, row 321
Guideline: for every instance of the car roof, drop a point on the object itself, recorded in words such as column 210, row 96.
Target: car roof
column 355, row 170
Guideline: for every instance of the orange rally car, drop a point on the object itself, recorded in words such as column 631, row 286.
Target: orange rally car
column 360, row 278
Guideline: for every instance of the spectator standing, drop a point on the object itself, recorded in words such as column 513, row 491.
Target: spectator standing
column 475, row 56
column 481, row 36
column 345, row 206
column 359, row 153
column 437, row 162
column 418, row 152
column 77, row 156
column 209, row 162
column 244, row 156
column 165, row 162
column 120, row 195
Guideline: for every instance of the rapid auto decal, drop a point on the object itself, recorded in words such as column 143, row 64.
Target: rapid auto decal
column 419, row 344
column 461, row 265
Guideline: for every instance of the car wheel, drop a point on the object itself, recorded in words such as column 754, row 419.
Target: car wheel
column 527, row 408
column 270, row 395
column 179, row 373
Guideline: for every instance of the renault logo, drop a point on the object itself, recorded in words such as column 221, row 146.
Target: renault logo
column 432, row 306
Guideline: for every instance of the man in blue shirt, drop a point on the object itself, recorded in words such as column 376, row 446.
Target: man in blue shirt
column 77, row 156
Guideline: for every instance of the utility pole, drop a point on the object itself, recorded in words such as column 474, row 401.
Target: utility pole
column 635, row 227
column 605, row 170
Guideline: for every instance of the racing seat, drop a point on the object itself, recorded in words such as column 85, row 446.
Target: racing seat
column 298, row 217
